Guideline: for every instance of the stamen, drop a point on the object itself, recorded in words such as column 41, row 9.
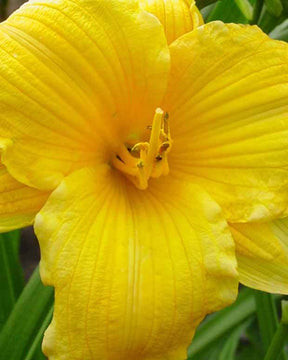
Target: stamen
column 154, row 140
column 147, row 159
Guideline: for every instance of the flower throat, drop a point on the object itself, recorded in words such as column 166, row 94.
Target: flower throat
column 147, row 159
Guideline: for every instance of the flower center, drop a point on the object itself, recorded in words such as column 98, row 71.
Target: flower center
column 146, row 159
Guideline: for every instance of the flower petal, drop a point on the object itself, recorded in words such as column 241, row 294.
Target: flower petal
column 73, row 76
column 227, row 102
column 134, row 271
column 177, row 16
column 262, row 255
column 18, row 202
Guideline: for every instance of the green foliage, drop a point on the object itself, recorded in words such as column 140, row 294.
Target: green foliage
column 246, row 8
column 227, row 11
column 274, row 7
column 267, row 320
column 11, row 274
column 243, row 331
column 203, row 3
column 21, row 336
column 280, row 32
column 279, row 339
column 222, row 329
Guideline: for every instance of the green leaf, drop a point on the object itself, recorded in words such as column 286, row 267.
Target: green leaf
column 258, row 7
column 266, row 315
column 246, row 8
column 280, row 32
column 203, row 3
column 228, row 351
column 267, row 319
column 274, row 7
column 284, row 308
column 227, row 11
column 212, row 351
column 285, row 6
column 280, row 337
column 225, row 347
column 222, row 323
column 21, row 337
column 207, row 11
column 11, row 274
column 248, row 353
column 253, row 337
column 268, row 22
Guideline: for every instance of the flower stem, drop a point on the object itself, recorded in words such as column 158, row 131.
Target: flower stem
column 257, row 11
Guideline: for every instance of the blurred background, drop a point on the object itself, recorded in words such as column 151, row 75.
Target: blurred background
column 8, row 6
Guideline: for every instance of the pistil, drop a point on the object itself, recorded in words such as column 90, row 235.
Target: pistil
column 146, row 159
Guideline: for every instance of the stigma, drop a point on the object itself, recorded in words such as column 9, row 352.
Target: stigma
column 148, row 159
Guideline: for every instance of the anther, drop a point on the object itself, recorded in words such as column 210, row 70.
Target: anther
column 147, row 159
column 164, row 147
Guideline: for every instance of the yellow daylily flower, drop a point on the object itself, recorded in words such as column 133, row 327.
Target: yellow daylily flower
column 143, row 134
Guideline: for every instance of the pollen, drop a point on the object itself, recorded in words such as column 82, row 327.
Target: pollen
column 146, row 160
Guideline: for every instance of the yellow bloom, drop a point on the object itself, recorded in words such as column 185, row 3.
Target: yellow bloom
column 143, row 138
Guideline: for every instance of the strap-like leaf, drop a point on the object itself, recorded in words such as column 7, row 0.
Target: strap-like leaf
column 11, row 274
column 228, row 351
column 227, row 11
column 274, row 7
column 22, row 334
column 280, row 337
column 267, row 319
column 246, row 8
column 268, row 22
column 280, row 32
column 222, row 323
column 203, row 3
